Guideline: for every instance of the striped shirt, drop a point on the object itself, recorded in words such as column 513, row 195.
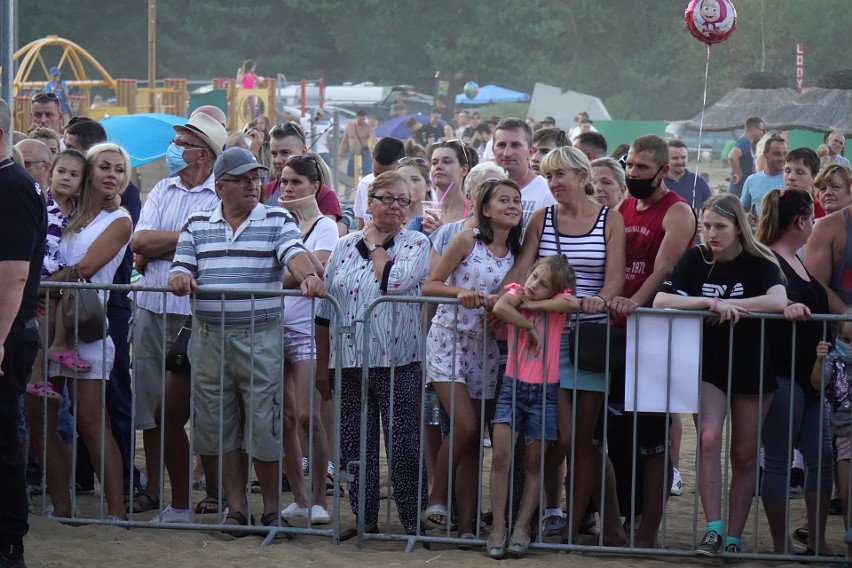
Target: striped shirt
column 251, row 257
column 586, row 254
column 168, row 206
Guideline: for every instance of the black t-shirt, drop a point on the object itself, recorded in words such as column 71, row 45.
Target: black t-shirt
column 434, row 132
column 23, row 229
column 808, row 333
column 746, row 276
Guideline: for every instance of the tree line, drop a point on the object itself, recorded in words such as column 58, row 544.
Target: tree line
column 636, row 55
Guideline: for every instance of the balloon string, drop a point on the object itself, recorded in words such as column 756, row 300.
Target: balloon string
column 701, row 126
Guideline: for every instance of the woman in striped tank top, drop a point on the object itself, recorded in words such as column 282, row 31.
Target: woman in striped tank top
column 591, row 237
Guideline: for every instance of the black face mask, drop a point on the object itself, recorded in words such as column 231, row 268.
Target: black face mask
column 643, row 188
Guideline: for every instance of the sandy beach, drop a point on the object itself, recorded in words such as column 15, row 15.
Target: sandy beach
column 51, row 544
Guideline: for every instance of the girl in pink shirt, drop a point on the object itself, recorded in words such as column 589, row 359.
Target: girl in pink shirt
column 527, row 400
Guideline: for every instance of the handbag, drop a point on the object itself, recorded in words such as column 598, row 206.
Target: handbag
column 588, row 341
column 587, row 345
column 85, row 306
column 177, row 360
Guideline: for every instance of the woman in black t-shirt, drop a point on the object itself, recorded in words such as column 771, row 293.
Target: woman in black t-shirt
column 786, row 222
column 731, row 273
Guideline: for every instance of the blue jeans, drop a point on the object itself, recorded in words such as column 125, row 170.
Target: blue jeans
column 809, row 433
column 529, row 409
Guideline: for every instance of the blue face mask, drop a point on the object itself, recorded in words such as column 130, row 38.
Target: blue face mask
column 844, row 350
column 174, row 158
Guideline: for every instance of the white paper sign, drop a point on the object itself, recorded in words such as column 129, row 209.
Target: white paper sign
column 657, row 367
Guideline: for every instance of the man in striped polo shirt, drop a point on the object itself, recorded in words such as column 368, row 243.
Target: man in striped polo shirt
column 236, row 351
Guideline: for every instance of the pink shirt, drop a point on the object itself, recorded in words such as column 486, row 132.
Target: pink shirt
column 523, row 364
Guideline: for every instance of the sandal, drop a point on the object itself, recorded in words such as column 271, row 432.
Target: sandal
column 210, row 505
column 44, row 390
column 434, row 516
column 241, row 520
column 143, row 501
column 70, row 360
column 349, row 534
column 272, row 520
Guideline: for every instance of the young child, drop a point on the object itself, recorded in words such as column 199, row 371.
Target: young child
column 461, row 360
column 67, row 176
column 536, row 312
column 834, row 362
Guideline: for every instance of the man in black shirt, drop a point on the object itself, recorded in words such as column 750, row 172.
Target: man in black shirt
column 433, row 130
column 23, row 227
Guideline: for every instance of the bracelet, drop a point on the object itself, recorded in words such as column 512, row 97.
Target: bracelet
column 604, row 300
column 314, row 274
column 714, row 303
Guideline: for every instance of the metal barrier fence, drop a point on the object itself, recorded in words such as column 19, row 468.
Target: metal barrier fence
column 678, row 531
column 102, row 512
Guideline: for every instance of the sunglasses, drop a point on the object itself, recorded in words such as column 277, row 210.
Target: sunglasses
column 306, row 158
column 409, row 159
column 288, row 129
column 44, row 97
column 182, row 144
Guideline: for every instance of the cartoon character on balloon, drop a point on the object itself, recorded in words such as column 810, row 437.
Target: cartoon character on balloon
column 711, row 21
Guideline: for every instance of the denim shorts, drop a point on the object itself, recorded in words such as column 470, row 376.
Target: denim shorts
column 528, row 408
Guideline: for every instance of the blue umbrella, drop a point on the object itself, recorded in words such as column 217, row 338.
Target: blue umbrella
column 145, row 136
column 493, row 94
column 395, row 127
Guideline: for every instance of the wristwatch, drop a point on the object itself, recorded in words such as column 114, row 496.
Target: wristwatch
column 372, row 247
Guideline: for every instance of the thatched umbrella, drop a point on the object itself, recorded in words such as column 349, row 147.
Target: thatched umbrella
column 819, row 109
column 732, row 110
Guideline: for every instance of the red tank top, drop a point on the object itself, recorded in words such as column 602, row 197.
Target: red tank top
column 644, row 230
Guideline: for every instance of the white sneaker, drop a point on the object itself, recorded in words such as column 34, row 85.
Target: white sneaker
column 172, row 515
column 677, row 484
column 293, row 511
column 319, row 516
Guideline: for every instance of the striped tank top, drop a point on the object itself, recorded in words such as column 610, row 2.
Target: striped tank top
column 586, row 254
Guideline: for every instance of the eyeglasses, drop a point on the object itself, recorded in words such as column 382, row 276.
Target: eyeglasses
column 288, row 129
column 44, row 97
column 389, row 200
column 409, row 159
column 182, row 144
column 243, row 181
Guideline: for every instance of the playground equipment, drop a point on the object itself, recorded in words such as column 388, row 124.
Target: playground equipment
column 82, row 72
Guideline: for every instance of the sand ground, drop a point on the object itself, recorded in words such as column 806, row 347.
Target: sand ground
column 51, row 544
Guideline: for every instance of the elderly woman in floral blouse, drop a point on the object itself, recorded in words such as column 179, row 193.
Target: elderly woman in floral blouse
column 382, row 259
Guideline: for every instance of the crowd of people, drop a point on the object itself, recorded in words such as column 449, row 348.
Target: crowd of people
column 538, row 240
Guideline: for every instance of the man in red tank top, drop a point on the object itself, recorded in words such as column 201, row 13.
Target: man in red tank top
column 660, row 226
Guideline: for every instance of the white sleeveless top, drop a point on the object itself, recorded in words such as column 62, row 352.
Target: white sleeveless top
column 74, row 246
column 481, row 270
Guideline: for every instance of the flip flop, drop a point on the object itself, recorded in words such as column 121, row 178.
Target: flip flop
column 70, row 360
column 429, row 513
column 43, row 390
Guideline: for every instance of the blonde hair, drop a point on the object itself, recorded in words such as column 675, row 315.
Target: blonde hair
column 568, row 158
column 80, row 219
column 562, row 274
column 729, row 206
column 823, row 178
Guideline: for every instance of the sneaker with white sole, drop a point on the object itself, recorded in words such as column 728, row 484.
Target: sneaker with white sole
column 319, row 516
column 710, row 544
column 677, row 484
column 172, row 515
column 293, row 511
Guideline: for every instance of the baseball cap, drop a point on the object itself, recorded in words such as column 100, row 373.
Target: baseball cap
column 208, row 129
column 235, row 162
column 53, row 71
